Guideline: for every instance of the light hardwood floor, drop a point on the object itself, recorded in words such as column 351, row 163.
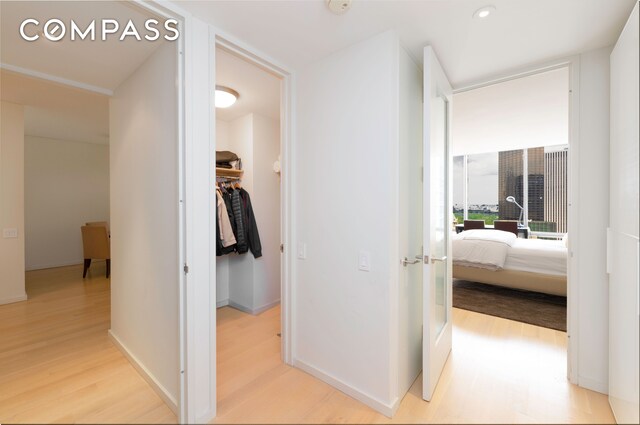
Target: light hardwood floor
column 500, row 371
column 57, row 363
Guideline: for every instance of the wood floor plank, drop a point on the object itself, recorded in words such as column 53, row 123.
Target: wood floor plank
column 57, row 365
column 500, row 371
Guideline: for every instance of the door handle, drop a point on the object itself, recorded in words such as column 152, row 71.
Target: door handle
column 434, row 259
column 406, row 261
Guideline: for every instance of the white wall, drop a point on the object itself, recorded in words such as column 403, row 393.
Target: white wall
column 344, row 203
column 516, row 114
column 593, row 207
column 265, row 200
column 144, row 219
column 410, row 316
column 12, row 202
column 66, row 185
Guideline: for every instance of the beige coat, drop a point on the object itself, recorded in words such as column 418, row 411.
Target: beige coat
column 226, row 232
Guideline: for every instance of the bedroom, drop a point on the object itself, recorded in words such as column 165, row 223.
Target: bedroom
column 510, row 200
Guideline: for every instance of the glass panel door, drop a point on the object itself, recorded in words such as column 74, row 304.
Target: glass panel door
column 437, row 219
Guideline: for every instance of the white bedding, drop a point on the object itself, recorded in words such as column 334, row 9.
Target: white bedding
column 537, row 256
column 486, row 249
column 495, row 253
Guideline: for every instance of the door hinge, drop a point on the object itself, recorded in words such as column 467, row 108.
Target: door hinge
column 281, row 247
column 186, row 269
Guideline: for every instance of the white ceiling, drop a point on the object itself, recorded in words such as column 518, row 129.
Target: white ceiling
column 97, row 63
column 523, row 113
column 259, row 90
column 518, row 33
column 57, row 112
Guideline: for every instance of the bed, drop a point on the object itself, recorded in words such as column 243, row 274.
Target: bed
column 500, row 258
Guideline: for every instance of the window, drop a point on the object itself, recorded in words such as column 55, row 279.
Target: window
column 535, row 177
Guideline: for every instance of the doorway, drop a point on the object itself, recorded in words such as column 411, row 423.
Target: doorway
column 500, row 180
column 248, row 219
column 559, row 350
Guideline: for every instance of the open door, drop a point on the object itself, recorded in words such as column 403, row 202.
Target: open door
column 437, row 274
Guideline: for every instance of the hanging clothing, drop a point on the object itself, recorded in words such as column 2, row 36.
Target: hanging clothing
column 226, row 231
column 236, row 204
column 235, row 218
column 226, row 196
column 218, row 239
column 252, row 236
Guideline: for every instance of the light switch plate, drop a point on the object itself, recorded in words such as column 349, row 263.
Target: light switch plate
column 9, row 233
column 364, row 261
column 302, row 251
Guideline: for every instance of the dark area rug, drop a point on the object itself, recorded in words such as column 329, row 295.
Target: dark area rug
column 549, row 311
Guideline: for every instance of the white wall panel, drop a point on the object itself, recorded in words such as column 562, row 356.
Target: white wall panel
column 144, row 218
column 345, row 192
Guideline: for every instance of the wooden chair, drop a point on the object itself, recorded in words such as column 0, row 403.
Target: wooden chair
column 506, row 225
column 473, row 224
column 95, row 244
column 99, row 223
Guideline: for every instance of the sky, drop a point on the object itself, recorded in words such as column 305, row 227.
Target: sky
column 483, row 179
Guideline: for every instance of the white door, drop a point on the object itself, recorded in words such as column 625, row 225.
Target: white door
column 623, row 245
column 437, row 219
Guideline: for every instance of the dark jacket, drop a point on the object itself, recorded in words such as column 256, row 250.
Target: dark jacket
column 251, row 237
column 226, row 197
column 236, row 204
column 218, row 239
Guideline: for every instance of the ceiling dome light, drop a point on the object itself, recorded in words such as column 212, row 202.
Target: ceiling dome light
column 483, row 12
column 339, row 6
column 225, row 97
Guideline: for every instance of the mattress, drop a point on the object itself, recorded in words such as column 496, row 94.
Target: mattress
column 537, row 256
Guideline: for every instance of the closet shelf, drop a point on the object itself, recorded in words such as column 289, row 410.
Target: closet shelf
column 228, row 172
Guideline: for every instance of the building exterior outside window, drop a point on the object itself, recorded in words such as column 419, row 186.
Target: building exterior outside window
column 493, row 177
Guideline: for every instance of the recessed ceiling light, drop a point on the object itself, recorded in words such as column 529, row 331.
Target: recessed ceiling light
column 225, row 97
column 483, row 12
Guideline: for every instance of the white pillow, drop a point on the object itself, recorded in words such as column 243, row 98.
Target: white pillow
column 490, row 235
column 565, row 240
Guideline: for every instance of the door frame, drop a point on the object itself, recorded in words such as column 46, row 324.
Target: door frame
column 572, row 63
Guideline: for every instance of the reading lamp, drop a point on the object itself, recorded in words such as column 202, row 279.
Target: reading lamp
column 513, row 201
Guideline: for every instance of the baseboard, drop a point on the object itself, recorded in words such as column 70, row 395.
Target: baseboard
column 240, row 307
column 375, row 404
column 248, row 310
column 222, row 303
column 394, row 407
column 54, row 265
column 11, row 300
column 593, row 385
column 144, row 372
column 266, row 307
